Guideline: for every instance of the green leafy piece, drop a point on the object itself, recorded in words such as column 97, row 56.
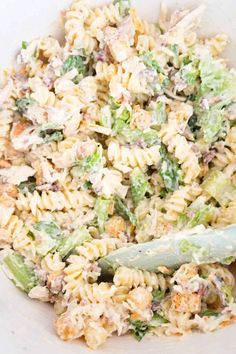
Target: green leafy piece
column 47, row 235
column 89, row 163
column 197, row 213
column 190, row 72
column 136, row 136
column 150, row 62
column 51, row 132
column 228, row 292
column 220, row 187
column 212, row 124
column 75, row 239
column 175, row 49
column 24, row 103
column 121, row 122
column 49, row 227
column 114, row 105
column 139, row 329
column 24, row 45
column 21, row 274
column 124, row 211
column 75, row 62
column 170, row 171
column 139, row 185
column 187, row 246
column 159, row 115
column 228, row 260
column 158, row 295
column 209, row 313
column 158, row 318
column 28, row 186
column 101, row 209
column 124, row 6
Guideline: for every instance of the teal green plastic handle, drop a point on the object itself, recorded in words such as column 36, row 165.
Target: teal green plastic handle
column 209, row 246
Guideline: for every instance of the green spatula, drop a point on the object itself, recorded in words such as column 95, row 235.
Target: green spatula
column 208, row 246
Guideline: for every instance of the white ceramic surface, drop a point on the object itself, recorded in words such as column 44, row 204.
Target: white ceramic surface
column 26, row 326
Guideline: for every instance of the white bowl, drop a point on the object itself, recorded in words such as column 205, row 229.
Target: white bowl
column 26, row 326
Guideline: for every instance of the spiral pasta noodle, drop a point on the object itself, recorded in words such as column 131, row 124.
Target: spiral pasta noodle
column 98, row 248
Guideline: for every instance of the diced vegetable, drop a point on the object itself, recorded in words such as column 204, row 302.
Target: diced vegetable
column 69, row 243
column 158, row 319
column 124, row 211
column 47, row 236
column 197, row 213
column 139, row 329
column 158, row 295
column 51, row 132
column 101, row 208
column 158, row 113
column 228, row 292
column 24, row 44
column 28, row 186
column 124, row 6
column 21, row 274
column 209, row 313
column 220, row 187
column 190, row 72
column 24, row 103
column 75, row 62
column 175, row 49
column 91, row 162
column 212, row 124
column 139, row 185
column 170, row 171
column 121, row 121
column 150, row 62
column 228, row 260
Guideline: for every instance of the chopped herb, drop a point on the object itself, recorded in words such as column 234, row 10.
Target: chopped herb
column 158, row 295
column 28, row 186
column 75, row 62
column 124, row 211
column 139, row 329
column 24, row 103
column 190, row 72
column 24, row 44
column 91, row 162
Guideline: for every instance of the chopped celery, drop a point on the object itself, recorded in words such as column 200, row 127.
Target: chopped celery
column 197, row 213
column 69, row 243
column 50, row 227
column 121, row 121
column 220, row 187
column 170, row 171
column 190, row 72
column 24, row 103
column 124, row 211
column 139, row 185
column 209, row 313
column 21, row 274
column 101, row 208
column 135, row 136
column 158, row 295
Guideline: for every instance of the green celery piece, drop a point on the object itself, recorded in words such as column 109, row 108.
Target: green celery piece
column 49, row 227
column 158, row 295
column 139, row 185
column 124, row 211
column 24, row 103
column 220, row 187
column 69, row 243
column 159, row 115
column 101, row 209
column 172, row 251
column 92, row 161
column 121, row 122
column 22, row 275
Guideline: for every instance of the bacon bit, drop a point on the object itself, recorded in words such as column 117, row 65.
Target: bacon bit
column 19, row 127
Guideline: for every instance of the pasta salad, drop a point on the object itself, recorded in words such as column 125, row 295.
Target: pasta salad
column 123, row 133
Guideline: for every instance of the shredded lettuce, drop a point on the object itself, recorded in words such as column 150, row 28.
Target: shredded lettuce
column 209, row 313
column 75, row 62
column 158, row 295
column 212, row 124
column 139, row 185
column 121, row 121
column 150, row 62
column 190, row 72
column 124, row 6
column 70, row 242
column 197, row 213
column 47, row 235
column 136, row 136
column 89, row 163
column 139, row 329
column 101, row 209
